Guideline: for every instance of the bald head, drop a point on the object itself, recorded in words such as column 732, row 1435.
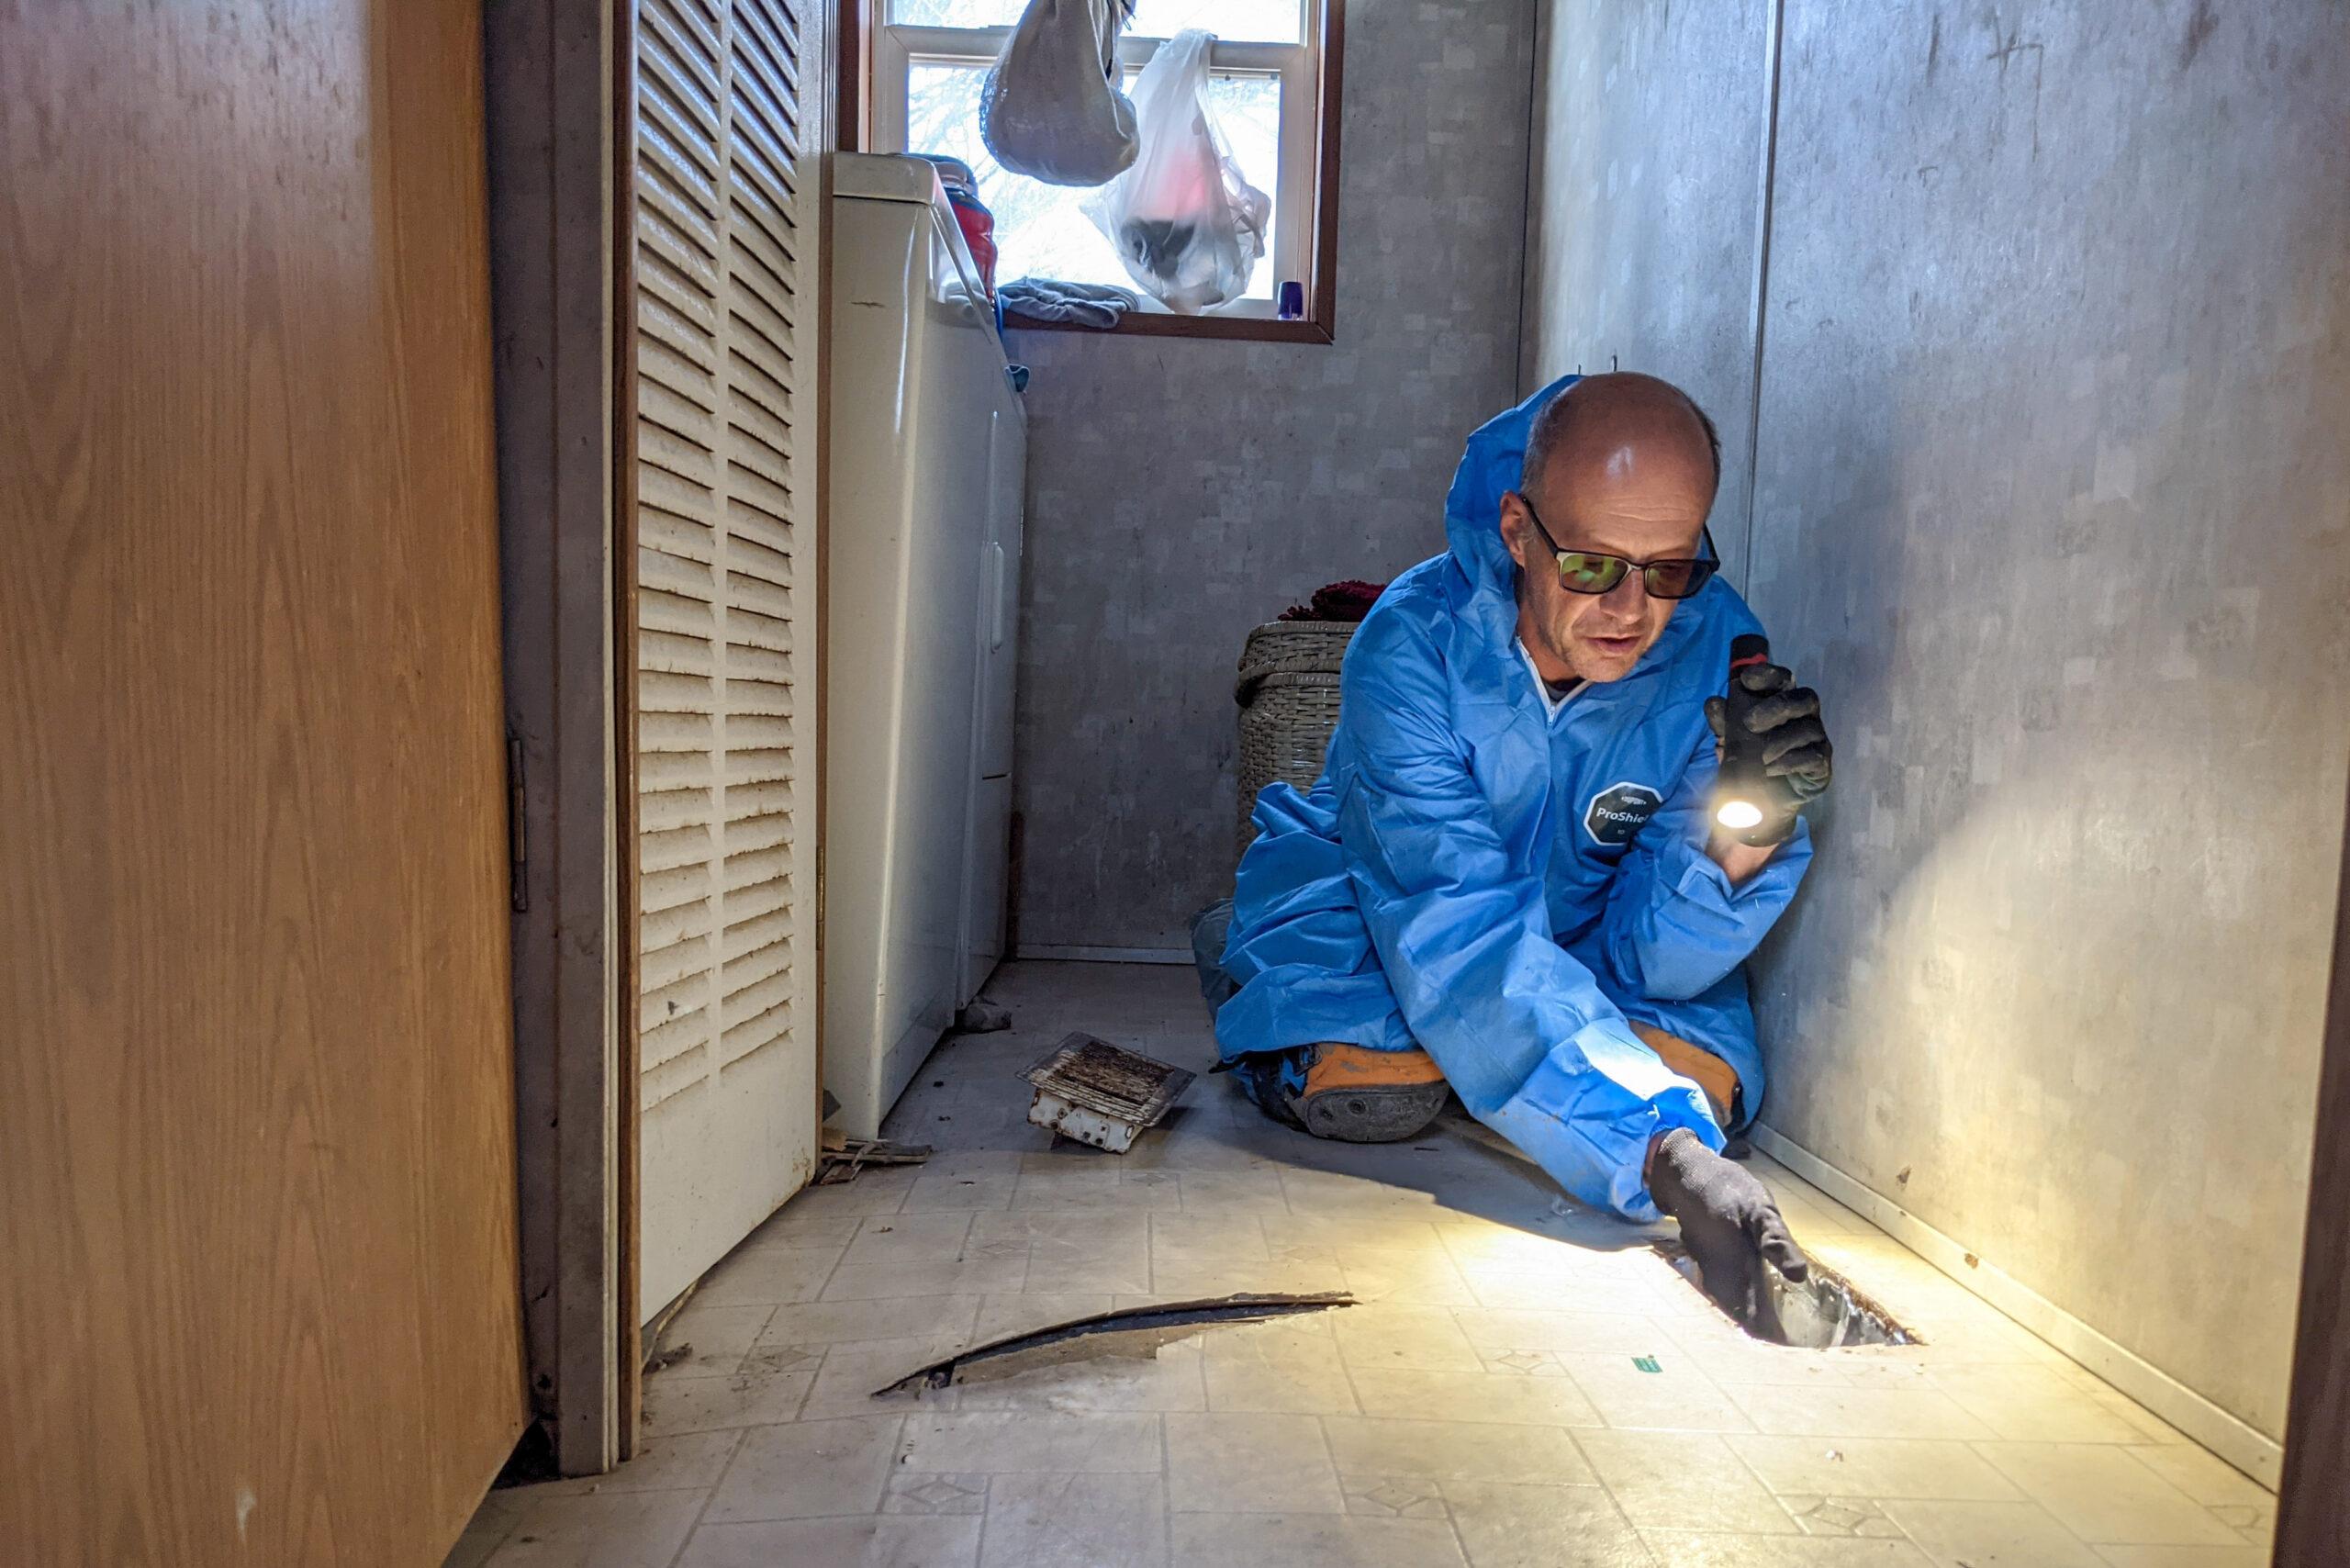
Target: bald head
column 1618, row 465
column 1609, row 425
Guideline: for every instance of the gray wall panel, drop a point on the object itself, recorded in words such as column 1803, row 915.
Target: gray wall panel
column 2053, row 506
column 1648, row 143
column 2052, row 503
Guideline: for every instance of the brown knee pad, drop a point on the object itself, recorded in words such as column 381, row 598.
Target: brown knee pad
column 1359, row 1095
column 1708, row 1071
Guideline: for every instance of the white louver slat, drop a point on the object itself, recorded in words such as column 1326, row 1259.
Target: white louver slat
column 726, row 228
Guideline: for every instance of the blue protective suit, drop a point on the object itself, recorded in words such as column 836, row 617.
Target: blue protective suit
column 1502, row 889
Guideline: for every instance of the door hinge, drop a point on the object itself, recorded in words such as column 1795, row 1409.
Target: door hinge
column 517, row 851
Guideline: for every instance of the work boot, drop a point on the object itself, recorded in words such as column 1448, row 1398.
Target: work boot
column 1358, row 1095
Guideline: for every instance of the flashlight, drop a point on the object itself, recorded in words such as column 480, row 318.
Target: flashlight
column 1739, row 814
column 1739, row 793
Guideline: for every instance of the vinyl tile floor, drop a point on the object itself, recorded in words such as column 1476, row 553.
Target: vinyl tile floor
column 1523, row 1384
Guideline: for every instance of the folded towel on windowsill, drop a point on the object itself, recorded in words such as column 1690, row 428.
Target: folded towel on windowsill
column 1094, row 305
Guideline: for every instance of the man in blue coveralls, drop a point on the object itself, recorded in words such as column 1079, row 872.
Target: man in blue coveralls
column 1509, row 881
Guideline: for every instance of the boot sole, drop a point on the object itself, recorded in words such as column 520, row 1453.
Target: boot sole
column 1373, row 1116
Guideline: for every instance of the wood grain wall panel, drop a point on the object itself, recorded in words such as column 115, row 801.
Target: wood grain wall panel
column 256, row 1112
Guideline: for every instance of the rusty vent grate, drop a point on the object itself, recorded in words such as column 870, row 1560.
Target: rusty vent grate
column 1102, row 1094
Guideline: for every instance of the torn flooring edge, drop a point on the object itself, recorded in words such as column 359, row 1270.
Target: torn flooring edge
column 1137, row 1328
column 845, row 1159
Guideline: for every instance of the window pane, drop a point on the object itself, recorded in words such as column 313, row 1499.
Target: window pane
column 1243, row 22
column 1247, row 109
column 1042, row 230
column 956, row 13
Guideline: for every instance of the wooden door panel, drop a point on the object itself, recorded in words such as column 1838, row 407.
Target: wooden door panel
column 256, row 1105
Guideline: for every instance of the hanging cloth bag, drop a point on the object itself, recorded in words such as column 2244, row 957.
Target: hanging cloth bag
column 1188, row 227
column 1050, row 107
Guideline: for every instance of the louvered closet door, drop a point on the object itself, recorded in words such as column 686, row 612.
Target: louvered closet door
column 730, row 99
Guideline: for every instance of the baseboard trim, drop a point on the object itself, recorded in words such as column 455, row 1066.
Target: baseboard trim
column 2251, row 1451
column 1052, row 953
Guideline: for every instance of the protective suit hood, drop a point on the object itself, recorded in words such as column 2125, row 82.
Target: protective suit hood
column 1492, row 466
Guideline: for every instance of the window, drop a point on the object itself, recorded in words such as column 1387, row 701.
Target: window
column 1274, row 86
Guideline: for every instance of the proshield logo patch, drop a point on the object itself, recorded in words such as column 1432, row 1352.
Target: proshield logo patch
column 1619, row 812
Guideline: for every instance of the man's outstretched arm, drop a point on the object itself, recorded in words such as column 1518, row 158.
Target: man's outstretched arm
column 1522, row 1030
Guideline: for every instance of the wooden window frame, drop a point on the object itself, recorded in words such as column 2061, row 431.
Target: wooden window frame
column 860, row 49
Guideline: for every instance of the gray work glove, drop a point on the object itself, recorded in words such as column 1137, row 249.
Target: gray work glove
column 1769, row 723
column 1727, row 1222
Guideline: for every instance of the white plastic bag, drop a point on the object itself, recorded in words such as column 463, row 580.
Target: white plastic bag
column 1050, row 108
column 1189, row 228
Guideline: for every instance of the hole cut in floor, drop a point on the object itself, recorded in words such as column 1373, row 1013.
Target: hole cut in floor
column 1825, row 1312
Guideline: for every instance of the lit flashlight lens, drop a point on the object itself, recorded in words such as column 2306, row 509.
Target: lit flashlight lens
column 1739, row 814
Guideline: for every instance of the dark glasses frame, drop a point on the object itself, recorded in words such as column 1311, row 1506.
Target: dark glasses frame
column 1701, row 570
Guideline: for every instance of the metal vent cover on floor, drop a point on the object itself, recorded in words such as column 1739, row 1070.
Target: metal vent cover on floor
column 1102, row 1094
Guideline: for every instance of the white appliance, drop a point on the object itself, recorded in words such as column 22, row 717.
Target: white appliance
column 928, row 449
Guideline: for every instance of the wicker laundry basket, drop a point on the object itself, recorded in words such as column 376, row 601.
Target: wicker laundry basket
column 1288, row 693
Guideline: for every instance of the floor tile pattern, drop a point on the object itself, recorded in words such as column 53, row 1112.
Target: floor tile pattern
column 1490, row 1403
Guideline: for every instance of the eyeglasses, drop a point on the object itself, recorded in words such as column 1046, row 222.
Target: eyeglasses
column 1588, row 571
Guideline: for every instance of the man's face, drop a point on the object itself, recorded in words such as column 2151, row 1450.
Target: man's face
column 1645, row 503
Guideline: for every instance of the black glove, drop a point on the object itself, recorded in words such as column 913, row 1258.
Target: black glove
column 1768, row 722
column 1727, row 1222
